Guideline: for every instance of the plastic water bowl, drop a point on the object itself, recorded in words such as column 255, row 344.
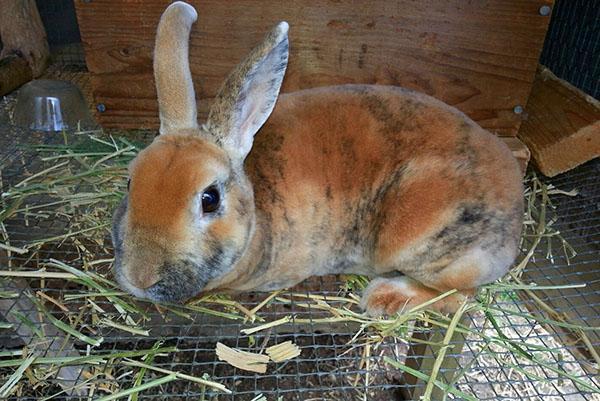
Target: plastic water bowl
column 50, row 105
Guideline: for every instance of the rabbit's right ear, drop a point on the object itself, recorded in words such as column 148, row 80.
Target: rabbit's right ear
column 248, row 96
column 174, row 86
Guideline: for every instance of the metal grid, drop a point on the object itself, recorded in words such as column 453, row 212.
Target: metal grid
column 329, row 367
column 60, row 21
column 572, row 49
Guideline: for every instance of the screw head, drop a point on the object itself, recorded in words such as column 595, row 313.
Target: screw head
column 545, row 11
column 101, row 107
column 518, row 109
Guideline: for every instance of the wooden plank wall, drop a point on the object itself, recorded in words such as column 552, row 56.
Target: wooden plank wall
column 479, row 56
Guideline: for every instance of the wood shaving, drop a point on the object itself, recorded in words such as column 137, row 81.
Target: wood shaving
column 241, row 359
column 283, row 352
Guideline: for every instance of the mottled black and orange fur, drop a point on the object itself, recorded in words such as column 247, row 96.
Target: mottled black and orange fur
column 365, row 179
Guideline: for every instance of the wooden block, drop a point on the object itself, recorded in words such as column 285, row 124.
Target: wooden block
column 562, row 125
column 519, row 151
column 478, row 56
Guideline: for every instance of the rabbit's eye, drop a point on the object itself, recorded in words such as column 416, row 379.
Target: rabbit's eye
column 210, row 200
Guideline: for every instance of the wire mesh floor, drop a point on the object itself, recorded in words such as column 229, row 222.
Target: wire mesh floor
column 330, row 366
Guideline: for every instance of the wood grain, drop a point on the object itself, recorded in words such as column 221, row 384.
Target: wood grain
column 22, row 32
column 519, row 151
column 479, row 56
column 14, row 72
column 562, row 128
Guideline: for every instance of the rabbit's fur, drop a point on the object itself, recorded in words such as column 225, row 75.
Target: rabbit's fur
column 366, row 179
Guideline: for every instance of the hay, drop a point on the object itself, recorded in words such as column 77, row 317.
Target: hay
column 82, row 183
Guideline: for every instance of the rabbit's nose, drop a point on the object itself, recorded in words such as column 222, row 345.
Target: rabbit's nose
column 142, row 278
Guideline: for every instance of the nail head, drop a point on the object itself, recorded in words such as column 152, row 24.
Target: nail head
column 545, row 11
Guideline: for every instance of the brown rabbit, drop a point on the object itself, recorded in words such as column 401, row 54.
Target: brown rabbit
column 366, row 179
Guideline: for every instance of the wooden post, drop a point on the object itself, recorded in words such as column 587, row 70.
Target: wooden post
column 421, row 357
column 22, row 33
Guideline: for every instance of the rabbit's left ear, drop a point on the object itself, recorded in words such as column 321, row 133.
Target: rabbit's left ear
column 174, row 86
column 248, row 96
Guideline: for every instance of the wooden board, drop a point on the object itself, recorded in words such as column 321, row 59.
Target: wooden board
column 562, row 125
column 479, row 56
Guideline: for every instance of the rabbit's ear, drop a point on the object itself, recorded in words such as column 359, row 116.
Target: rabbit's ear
column 248, row 96
column 176, row 98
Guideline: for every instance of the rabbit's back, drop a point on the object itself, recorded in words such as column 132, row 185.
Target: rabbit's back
column 362, row 178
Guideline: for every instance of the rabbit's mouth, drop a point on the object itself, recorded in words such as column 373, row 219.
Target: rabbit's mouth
column 177, row 283
column 176, row 287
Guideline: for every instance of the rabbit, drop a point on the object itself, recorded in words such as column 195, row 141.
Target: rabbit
column 274, row 188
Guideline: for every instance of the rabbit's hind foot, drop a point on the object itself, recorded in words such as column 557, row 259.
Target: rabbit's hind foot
column 400, row 294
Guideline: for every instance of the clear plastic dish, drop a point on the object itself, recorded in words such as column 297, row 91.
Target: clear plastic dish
column 51, row 105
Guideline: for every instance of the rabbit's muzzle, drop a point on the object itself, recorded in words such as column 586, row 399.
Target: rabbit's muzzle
column 151, row 271
column 175, row 281
column 178, row 282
